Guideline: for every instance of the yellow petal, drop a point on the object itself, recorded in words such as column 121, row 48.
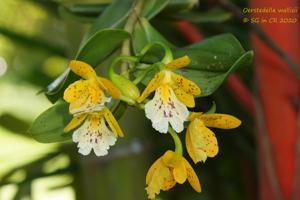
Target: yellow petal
column 194, row 115
column 197, row 154
column 178, row 63
column 96, row 94
column 157, row 181
column 76, row 121
column 192, row 176
column 74, row 91
column 189, row 146
column 171, row 159
column 90, row 99
column 188, row 86
column 112, row 122
column 220, row 121
column 185, row 98
column 80, row 102
column 110, row 88
column 168, row 155
column 152, row 85
column 82, row 69
column 151, row 170
column 169, row 182
column 203, row 140
column 179, row 172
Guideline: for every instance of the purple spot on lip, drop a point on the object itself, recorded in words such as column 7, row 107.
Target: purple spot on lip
column 165, row 114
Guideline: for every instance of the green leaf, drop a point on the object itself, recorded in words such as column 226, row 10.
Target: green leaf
column 99, row 46
column 86, row 9
column 210, row 81
column 48, row 127
column 113, row 16
column 93, row 52
column 177, row 6
column 213, row 60
column 153, row 7
column 216, row 15
column 144, row 33
column 216, row 53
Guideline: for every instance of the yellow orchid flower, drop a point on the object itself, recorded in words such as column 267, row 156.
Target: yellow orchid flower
column 88, row 95
column 200, row 141
column 173, row 94
column 168, row 170
column 93, row 133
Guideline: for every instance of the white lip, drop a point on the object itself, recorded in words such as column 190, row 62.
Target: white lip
column 163, row 113
column 3, row 66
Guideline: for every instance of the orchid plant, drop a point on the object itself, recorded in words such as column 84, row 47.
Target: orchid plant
column 173, row 79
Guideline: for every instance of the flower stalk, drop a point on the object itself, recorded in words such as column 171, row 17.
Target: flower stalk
column 168, row 57
column 177, row 142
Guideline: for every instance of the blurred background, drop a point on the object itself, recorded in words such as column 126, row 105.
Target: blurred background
column 37, row 39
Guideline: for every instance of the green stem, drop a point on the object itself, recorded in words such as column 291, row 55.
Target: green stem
column 111, row 69
column 141, row 77
column 168, row 57
column 177, row 141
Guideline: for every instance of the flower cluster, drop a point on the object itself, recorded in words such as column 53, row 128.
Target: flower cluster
column 87, row 100
column 173, row 95
column 167, row 110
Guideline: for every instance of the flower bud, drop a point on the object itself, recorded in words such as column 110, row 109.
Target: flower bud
column 126, row 87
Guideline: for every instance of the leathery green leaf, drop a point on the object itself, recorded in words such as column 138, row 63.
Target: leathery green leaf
column 48, row 127
column 144, row 34
column 114, row 16
column 153, row 7
column 210, row 81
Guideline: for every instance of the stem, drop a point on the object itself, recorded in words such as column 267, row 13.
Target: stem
column 129, row 26
column 118, row 59
column 168, row 57
column 141, row 77
column 177, row 141
column 145, row 72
